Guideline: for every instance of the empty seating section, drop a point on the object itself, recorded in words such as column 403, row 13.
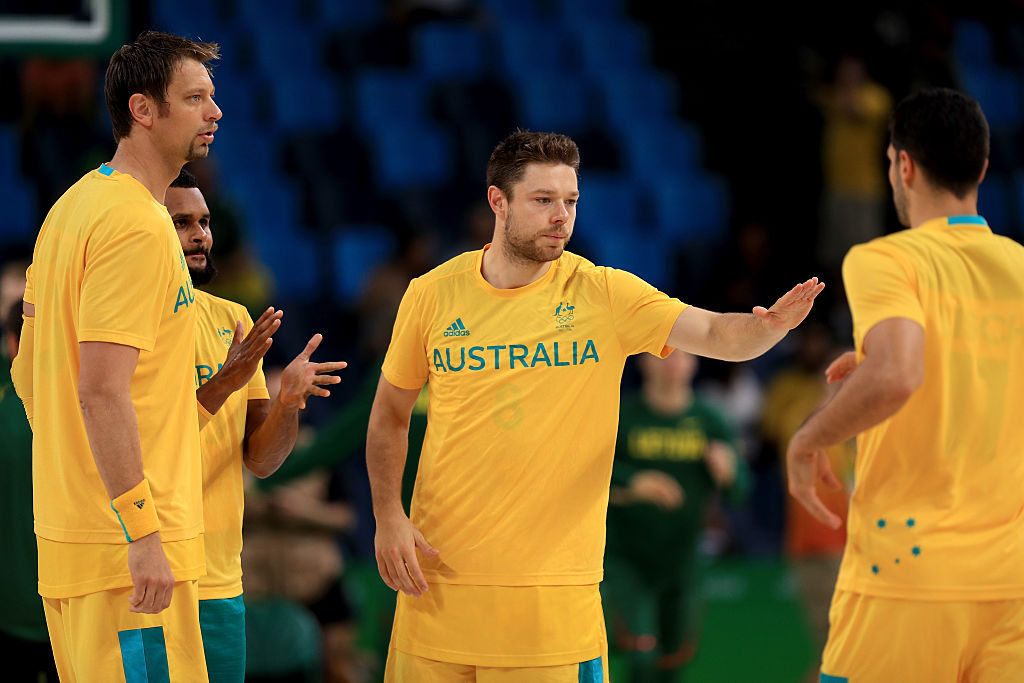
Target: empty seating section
column 575, row 66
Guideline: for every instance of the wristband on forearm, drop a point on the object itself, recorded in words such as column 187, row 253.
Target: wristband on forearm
column 136, row 511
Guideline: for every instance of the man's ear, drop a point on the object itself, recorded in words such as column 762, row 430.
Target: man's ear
column 143, row 109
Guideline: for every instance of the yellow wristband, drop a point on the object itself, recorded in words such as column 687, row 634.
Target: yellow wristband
column 136, row 511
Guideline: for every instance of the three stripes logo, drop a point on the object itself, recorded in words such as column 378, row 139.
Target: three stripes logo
column 139, row 503
column 456, row 329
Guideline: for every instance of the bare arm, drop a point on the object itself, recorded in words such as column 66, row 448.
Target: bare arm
column 387, row 443
column 104, row 383
column 742, row 336
column 889, row 374
column 271, row 429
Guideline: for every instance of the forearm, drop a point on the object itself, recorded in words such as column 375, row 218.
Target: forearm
column 214, row 392
column 740, row 337
column 867, row 397
column 387, row 444
column 271, row 442
column 113, row 432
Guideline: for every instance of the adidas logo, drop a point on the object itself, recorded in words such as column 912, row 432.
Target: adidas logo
column 456, row 329
column 139, row 503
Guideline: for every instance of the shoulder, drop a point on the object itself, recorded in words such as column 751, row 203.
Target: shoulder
column 221, row 307
column 899, row 246
column 451, row 270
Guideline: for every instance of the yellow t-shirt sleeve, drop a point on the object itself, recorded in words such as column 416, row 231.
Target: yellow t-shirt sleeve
column 405, row 364
column 257, row 387
column 30, row 291
column 21, row 367
column 134, row 262
column 643, row 315
column 879, row 285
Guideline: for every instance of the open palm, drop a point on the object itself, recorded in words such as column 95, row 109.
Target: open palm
column 791, row 309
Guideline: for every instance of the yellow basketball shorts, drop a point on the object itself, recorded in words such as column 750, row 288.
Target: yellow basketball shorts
column 95, row 638
column 405, row 668
column 877, row 640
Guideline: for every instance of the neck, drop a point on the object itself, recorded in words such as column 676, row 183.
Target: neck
column 503, row 271
column 146, row 166
column 940, row 205
column 667, row 399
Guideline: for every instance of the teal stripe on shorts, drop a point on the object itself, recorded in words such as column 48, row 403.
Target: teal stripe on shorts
column 825, row 678
column 223, row 626
column 592, row 671
column 144, row 655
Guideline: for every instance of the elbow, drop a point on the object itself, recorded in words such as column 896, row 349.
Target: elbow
column 900, row 385
column 92, row 394
column 261, row 470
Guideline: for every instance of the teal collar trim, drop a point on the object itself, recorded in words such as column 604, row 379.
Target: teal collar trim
column 960, row 220
column 106, row 170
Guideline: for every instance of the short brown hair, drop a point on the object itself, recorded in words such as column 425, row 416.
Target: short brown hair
column 509, row 159
column 146, row 66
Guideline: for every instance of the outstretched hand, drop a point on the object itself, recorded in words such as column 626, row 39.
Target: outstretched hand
column 302, row 378
column 804, row 467
column 791, row 309
column 244, row 355
column 841, row 367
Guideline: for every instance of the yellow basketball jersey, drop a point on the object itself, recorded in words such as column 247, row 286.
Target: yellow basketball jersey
column 108, row 267
column 221, row 439
column 514, row 473
column 937, row 508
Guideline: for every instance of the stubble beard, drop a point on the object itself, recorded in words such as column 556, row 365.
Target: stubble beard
column 899, row 200
column 521, row 249
column 203, row 276
column 197, row 151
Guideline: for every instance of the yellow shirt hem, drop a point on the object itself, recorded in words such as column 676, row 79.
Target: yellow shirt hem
column 462, row 578
column 933, row 593
column 219, row 592
column 516, row 661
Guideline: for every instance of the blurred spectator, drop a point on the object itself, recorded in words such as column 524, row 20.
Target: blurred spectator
column 673, row 452
column 12, row 285
column 22, row 626
column 855, row 110
column 814, row 550
column 291, row 551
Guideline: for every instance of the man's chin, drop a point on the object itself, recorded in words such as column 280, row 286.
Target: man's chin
column 197, row 153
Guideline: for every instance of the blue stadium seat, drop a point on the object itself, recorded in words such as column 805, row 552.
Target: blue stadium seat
column 528, row 49
column 994, row 197
column 654, row 150
column 972, row 44
column 271, row 210
column 634, row 97
column 502, row 11
column 19, row 221
column 196, row 19
column 10, row 154
column 348, row 14
column 553, row 102
column 612, row 46
column 388, row 98
column 607, row 199
column 309, row 100
column 357, row 252
column 446, row 51
column 694, row 207
column 628, row 247
column 998, row 94
column 587, row 12
column 417, row 155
